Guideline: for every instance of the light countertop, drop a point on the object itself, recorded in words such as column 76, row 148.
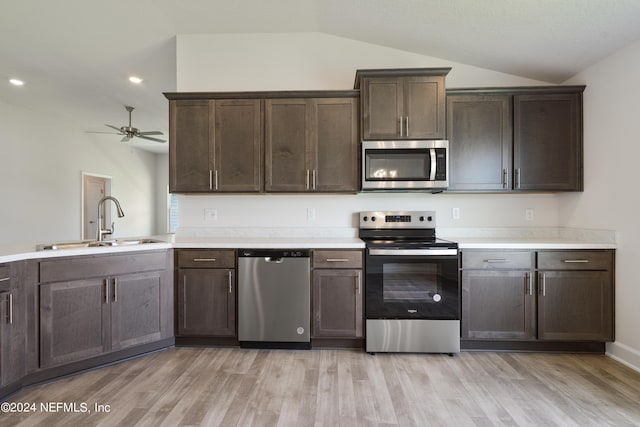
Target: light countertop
column 476, row 238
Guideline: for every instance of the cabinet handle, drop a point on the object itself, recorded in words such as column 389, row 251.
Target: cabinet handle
column 204, row 259
column 359, row 281
column 115, row 289
column 576, row 261
column 543, row 287
column 230, row 283
column 105, row 283
column 4, row 279
column 314, row 178
column 336, row 260
column 496, row 260
column 401, row 126
column 505, row 177
column 210, row 179
column 528, row 286
column 9, row 301
column 215, row 187
column 518, row 176
column 307, row 179
column 406, row 124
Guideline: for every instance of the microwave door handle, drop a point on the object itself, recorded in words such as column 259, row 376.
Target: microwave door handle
column 432, row 174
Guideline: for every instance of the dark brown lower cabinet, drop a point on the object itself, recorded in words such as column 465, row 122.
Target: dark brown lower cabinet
column 576, row 295
column 337, row 294
column 568, row 297
column 337, row 308
column 12, row 328
column 206, row 302
column 498, row 305
column 73, row 321
column 82, row 318
column 206, row 293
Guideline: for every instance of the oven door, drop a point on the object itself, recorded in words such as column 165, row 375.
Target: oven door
column 412, row 284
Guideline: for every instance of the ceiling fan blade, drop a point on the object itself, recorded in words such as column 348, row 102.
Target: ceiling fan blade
column 153, row 132
column 150, row 139
column 110, row 133
column 113, row 127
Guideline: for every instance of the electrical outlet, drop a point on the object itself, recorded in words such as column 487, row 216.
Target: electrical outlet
column 311, row 214
column 455, row 213
column 528, row 214
column 210, row 214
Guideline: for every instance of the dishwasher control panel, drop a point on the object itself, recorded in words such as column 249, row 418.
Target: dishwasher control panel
column 274, row 253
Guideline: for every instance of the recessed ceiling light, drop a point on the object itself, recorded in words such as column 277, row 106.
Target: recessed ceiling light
column 16, row 82
column 136, row 80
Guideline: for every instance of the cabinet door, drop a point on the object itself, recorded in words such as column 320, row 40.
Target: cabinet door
column 190, row 157
column 237, row 145
column 140, row 304
column 337, row 303
column 12, row 336
column 381, row 108
column 548, row 142
column 335, row 139
column 575, row 305
column 206, row 302
column 480, row 139
column 5, row 338
column 498, row 305
column 74, row 318
column 424, row 108
column 287, row 145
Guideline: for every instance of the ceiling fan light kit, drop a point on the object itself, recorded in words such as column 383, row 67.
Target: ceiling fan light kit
column 129, row 131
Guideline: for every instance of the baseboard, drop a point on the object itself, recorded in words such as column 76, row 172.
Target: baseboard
column 624, row 354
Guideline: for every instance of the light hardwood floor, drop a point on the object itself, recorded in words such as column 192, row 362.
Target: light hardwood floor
column 231, row 386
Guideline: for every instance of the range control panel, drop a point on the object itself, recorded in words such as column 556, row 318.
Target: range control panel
column 405, row 219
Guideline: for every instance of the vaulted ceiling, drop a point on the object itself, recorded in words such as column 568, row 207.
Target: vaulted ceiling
column 75, row 55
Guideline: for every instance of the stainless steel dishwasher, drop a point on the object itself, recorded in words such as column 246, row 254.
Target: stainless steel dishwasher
column 274, row 298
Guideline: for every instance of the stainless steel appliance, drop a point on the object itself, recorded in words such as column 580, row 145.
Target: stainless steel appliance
column 274, row 298
column 411, row 284
column 405, row 165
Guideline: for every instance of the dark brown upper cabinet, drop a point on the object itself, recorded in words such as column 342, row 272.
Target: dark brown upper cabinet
column 515, row 139
column 402, row 103
column 264, row 141
column 311, row 145
column 480, row 133
column 547, row 142
column 215, row 145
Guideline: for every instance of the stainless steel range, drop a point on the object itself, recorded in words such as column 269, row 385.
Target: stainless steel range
column 411, row 284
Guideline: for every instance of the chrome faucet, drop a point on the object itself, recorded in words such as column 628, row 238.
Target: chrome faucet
column 102, row 228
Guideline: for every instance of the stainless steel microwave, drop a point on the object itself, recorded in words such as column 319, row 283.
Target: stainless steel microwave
column 405, row 165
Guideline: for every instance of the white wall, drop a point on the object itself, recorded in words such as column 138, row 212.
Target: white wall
column 315, row 61
column 42, row 160
column 611, row 199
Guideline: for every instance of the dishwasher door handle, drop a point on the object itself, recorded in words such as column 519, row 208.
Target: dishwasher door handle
column 277, row 260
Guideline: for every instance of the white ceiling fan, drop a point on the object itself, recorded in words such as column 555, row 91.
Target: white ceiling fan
column 129, row 132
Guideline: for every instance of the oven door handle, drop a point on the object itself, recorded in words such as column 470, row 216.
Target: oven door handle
column 414, row 252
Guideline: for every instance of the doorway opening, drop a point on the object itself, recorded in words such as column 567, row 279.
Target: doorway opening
column 94, row 188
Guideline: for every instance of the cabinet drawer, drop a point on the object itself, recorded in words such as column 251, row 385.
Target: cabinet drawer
column 206, row 258
column 574, row 260
column 337, row 259
column 497, row 260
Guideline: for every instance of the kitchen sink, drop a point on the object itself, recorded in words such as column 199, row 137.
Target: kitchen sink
column 94, row 244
